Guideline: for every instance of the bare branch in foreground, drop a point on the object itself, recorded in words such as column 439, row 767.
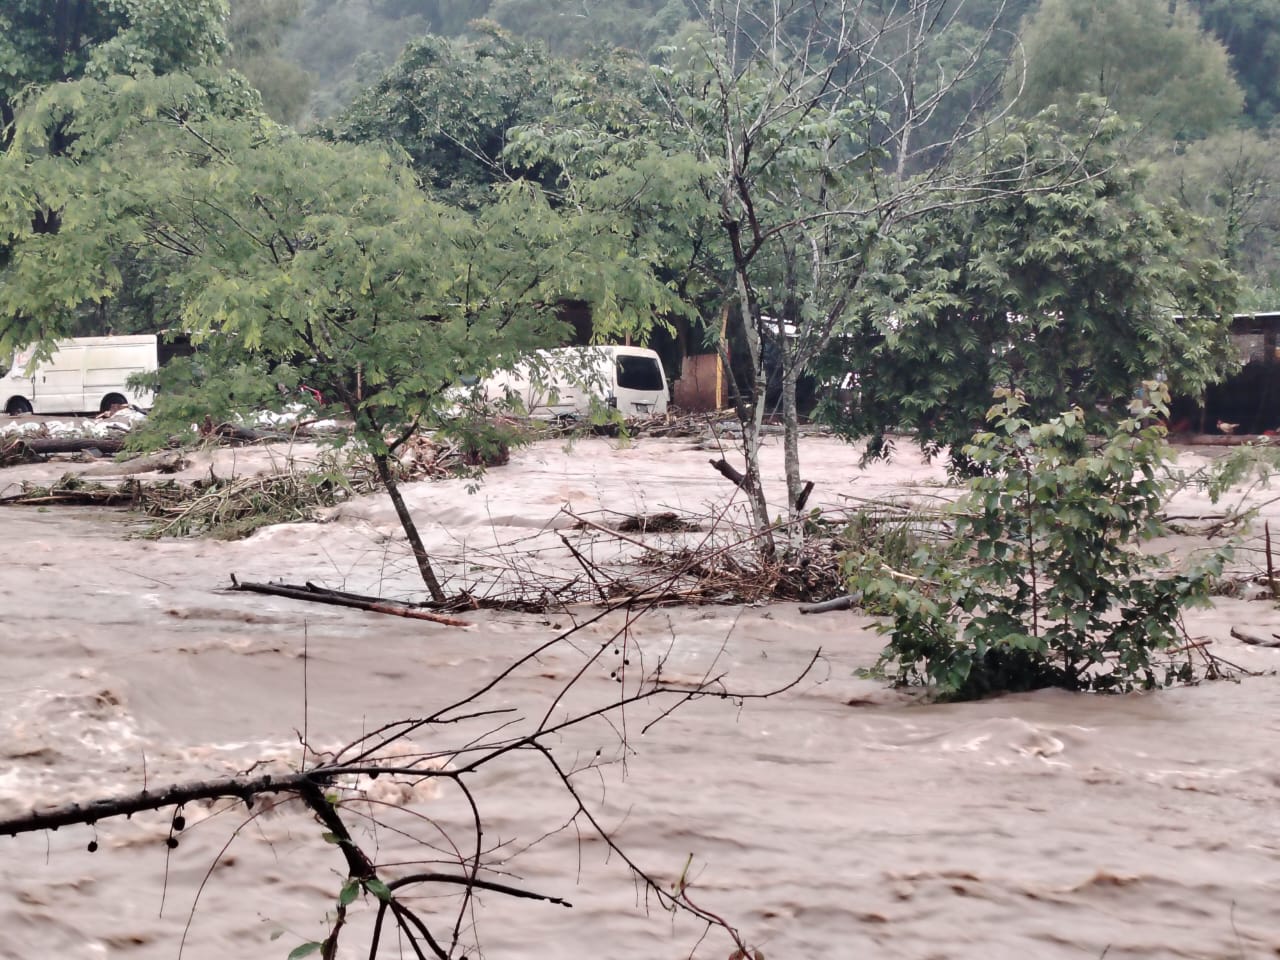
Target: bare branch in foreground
column 473, row 733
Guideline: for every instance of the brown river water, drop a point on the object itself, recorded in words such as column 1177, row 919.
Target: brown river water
column 839, row 819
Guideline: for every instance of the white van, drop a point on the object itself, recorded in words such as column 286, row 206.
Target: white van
column 568, row 381
column 86, row 374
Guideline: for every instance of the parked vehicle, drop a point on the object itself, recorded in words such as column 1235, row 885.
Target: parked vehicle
column 569, row 381
column 85, row 374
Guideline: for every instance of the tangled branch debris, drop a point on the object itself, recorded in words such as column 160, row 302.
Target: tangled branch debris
column 666, row 557
column 229, row 508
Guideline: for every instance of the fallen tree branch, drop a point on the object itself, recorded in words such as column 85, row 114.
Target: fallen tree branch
column 76, row 494
column 582, row 562
column 727, row 470
column 239, row 788
column 804, row 496
column 583, row 521
column 314, row 594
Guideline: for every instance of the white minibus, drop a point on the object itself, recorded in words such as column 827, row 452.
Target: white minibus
column 85, row 374
column 568, row 381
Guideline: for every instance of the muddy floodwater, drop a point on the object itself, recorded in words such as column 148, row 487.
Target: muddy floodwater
column 839, row 819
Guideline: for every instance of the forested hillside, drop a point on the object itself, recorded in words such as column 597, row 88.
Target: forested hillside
column 1201, row 76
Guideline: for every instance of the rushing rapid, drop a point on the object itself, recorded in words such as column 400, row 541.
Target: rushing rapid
column 837, row 819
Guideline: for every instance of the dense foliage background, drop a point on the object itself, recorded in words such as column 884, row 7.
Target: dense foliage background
column 938, row 197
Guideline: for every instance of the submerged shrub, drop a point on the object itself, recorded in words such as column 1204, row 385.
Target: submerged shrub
column 1044, row 584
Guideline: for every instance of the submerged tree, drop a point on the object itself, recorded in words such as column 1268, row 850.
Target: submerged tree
column 1044, row 584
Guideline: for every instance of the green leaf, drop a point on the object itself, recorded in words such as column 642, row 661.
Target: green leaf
column 305, row 950
column 378, row 889
column 350, row 890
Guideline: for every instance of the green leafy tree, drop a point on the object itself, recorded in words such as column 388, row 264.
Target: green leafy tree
column 1148, row 61
column 1044, row 584
column 1070, row 286
column 1233, row 180
column 284, row 252
column 51, row 42
column 451, row 104
column 44, row 42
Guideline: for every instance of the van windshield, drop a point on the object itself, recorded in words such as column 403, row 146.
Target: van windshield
column 639, row 373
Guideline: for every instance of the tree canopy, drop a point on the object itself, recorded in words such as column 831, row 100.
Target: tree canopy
column 451, row 105
column 47, row 41
column 1070, row 288
column 1149, row 59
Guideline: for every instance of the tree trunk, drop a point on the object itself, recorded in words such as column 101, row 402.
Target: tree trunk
column 750, row 417
column 791, row 436
column 751, row 425
column 751, row 440
column 383, row 462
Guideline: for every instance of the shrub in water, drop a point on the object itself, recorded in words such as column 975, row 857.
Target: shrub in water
column 1044, row 584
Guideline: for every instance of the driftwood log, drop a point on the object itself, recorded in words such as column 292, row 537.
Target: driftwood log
column 167, row 461
column 847, row 602
column 43, row 445
column 1254, row 640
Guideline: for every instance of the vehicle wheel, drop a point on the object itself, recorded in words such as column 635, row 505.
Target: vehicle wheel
column 112, row 400
column 17, row 407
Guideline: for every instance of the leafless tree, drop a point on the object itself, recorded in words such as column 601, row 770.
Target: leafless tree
column 828, row 125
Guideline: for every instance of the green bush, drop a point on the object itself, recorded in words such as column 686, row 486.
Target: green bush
column 1044, row 584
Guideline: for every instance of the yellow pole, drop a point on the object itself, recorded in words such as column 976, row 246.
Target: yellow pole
column 720, row 354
